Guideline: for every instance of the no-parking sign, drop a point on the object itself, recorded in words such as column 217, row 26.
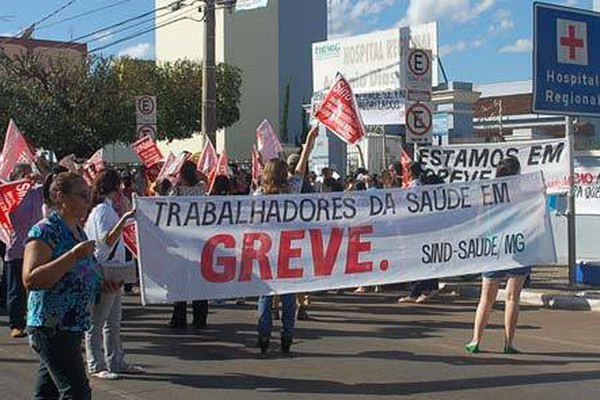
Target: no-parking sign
column 419, row 123
column 418, row 75
column 145, row 110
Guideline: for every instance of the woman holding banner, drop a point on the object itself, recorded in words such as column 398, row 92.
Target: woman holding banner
column 105, row 227
column 276, row 179
column 189, row 185
column 491, row 283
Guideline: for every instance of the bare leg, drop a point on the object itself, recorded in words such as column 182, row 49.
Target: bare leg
column 511, row 311
column 489, row 291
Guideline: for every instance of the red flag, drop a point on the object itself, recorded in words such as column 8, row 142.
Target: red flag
column 268, row 143
column 220, row 169
column 16, row 150
column 339, row 112
column 256, row 165
column 130, row 238
column 405, row 161
column 93, row 166
column 11, row 195
column 147, row 150
column 208, row 159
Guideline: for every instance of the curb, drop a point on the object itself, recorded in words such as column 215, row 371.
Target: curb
column 555, row 301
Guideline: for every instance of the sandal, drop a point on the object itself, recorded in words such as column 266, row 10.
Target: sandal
column 473, row 348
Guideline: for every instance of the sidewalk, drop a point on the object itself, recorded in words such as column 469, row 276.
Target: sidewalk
column 549, row 288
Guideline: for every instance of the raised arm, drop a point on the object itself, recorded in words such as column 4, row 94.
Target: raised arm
column 306, row 149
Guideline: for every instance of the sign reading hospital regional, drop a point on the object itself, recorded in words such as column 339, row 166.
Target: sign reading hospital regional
column 371, row 61
column 211, row 247
column 566, row 67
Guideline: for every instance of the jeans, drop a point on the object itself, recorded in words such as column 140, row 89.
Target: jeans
column 61, row 374
column 16, row 294
column 288, row 315
column 3, row 284
column 105, row 332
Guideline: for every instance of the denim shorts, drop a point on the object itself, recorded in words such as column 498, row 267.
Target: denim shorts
column 507, row 273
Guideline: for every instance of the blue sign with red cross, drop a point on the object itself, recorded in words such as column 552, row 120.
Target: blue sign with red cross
column 566, row 61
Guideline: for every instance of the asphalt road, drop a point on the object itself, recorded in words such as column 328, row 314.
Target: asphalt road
column 355, row 346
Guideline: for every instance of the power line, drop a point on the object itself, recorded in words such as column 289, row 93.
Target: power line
column 52, row 14
column 175, row 6
column 85, row 14
column 143, row 32
column 108, row 33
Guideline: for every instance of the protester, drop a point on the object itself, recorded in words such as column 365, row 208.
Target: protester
column 491, row 283
column 276, row 179
column 105, row 227
column 189, row 185
column 28, row 213
column 60, row 272
column 422, row 291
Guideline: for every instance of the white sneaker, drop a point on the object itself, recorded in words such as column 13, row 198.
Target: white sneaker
column 106, row 375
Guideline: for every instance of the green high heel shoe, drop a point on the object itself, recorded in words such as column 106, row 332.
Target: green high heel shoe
column 510, row 350
column 472, row 348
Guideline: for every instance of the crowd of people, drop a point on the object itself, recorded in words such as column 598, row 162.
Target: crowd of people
column 67, row 228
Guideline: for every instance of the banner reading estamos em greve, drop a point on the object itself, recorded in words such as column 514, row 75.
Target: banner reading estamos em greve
column 472, row 162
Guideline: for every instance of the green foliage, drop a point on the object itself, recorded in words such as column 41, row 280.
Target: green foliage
column 78, row 107
column 285, row 113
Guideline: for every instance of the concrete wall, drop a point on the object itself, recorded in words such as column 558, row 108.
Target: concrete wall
column 301, row 23
column 270, row 45
column 182, row 39
column 253, row 48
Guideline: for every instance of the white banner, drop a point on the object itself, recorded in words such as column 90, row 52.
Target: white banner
column 236, row 246
column 244, row 5
column 371, row 62
column 470, row 162
column 586, row 188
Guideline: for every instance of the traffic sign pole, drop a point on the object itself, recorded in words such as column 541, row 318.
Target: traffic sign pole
column 571, row 216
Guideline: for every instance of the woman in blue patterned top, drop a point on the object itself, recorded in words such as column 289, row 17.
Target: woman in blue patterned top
column 60, row 272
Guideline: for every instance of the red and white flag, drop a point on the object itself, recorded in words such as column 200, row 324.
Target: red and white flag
column 166, row 167
column 405, row 161
column 130, row 238
column 268, row 142
column 256, row 165
column 11, row 195
column 222, row 168
column 147, row 150
column 208, row 159
column 16, row 150
column 93, row 166
column 339, row 112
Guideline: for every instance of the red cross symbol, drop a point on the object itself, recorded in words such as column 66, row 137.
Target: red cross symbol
column 572, row 42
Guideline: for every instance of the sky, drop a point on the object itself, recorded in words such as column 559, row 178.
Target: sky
column 481, row 41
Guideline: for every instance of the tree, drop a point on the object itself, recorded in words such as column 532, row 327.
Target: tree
column 285, row 113
column 78, row 108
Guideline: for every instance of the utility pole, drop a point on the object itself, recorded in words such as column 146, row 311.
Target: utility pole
column 209, row 84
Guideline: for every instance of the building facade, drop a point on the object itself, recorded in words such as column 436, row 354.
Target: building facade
column 272, row 46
